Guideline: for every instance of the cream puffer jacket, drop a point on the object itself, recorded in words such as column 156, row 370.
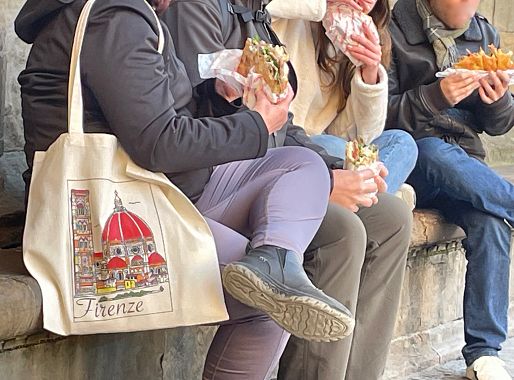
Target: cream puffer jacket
column 315, row 107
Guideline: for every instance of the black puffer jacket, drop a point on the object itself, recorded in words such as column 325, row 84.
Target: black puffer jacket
column 416, row 102
column 129, row 89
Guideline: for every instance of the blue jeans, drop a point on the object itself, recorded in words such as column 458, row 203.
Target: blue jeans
column 397, row 150
column 471, row 195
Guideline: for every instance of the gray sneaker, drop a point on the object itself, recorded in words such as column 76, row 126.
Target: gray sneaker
column 273, row 280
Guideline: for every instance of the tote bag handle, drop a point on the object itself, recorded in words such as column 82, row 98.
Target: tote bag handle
column 75, row 101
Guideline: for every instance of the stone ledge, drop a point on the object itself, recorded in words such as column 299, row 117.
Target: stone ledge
column 28, row 341
column 430, row 228
column 20, row 298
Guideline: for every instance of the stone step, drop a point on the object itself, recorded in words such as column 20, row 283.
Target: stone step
column 456, row 369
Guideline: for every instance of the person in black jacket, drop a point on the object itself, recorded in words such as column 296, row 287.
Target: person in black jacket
column 358, row 255
column 446, row 117
column 269, row 202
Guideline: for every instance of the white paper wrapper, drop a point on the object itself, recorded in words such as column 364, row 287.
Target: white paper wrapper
column 223, row 64
column 481, row 73
column 375, row 167
column 341, row 22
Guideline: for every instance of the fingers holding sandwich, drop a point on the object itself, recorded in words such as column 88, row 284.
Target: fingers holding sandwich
column 274, row 114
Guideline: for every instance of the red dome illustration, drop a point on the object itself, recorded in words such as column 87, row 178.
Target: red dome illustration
column 124, row 225
column 116, row 263
column 156, row 259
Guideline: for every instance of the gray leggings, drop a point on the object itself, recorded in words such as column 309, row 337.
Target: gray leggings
column 279, row 199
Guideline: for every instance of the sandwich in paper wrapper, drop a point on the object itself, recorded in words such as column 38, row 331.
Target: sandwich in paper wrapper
column 360, row 156
column 341, row 22
column 482, row 63
column 258, row 64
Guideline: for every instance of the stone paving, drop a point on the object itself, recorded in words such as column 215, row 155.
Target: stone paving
column 455, row 370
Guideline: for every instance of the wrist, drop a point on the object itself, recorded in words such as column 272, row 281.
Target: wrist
column 370, row 74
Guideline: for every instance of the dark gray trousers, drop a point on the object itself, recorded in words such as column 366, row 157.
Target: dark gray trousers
column 359, row 259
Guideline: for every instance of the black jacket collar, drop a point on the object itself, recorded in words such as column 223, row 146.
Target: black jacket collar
column 406, row 16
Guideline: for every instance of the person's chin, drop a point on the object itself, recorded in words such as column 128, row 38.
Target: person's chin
column 457, row 24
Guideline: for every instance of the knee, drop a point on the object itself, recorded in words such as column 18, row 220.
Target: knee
column 483, row 228
column 483, row 223
column 429, row 146
column 309, row 163
column 341, row 227
column 409, row 148
column 398, row 217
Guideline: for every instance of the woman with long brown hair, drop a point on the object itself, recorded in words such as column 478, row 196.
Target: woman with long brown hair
column 337, row 101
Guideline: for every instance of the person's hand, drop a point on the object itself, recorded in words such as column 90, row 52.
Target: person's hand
column 226, row 91
column 380, row 178
column 274, row 115
column 459, row 86
column 354, row 4
column 494, row 86
column 369, row 52
column 367, row 5
column 351, row 189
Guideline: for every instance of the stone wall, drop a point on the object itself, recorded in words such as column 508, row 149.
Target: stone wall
column 13, row 54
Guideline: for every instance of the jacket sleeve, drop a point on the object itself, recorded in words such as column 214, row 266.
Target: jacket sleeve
column 497, row 118
column 131, row 83
column 309, row 10
column 365, row 112
column 296, row 136
column 196, row 26
column 413, row 109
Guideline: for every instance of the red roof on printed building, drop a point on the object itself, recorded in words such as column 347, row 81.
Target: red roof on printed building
column 156, row 259
column 116, row 263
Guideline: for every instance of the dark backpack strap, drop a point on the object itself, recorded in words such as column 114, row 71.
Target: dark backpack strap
column 226, row 11
column 247, row 15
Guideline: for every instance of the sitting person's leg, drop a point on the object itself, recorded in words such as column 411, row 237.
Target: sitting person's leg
column 443, row 176
column 397, row 150
column 388, row 225
column 278, row 202
column 448, row 169
column 359, row 259
column 486, row 292
column 249, row 345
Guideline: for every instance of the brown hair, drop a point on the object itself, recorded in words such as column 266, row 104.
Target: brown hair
column 341, row 79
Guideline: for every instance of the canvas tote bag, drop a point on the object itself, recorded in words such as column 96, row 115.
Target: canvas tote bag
column 114, row 247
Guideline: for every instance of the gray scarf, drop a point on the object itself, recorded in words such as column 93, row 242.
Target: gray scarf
column 441, row 38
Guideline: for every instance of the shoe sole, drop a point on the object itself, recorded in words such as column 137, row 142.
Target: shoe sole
column 302, row 316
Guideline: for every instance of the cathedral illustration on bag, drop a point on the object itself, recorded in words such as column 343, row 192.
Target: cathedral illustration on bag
column 128, row 260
